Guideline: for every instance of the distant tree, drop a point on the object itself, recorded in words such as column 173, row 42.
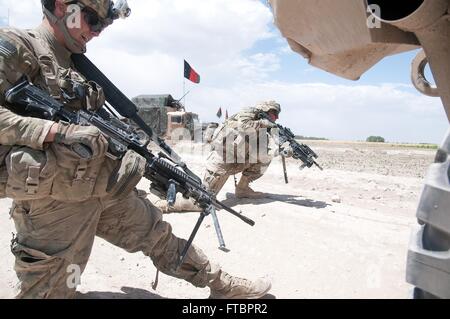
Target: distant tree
column 377, row 139
column 301, row 137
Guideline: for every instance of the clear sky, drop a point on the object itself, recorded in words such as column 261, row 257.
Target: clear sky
column 242, row 59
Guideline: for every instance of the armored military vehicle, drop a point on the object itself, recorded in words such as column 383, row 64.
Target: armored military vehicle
column 181, row 123
column 165, row 115
column 348, row 37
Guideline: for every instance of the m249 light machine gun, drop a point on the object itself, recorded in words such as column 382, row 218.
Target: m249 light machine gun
column 165, row 174
column 300, row 151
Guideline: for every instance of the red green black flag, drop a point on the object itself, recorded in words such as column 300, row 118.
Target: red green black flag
column 190, row 74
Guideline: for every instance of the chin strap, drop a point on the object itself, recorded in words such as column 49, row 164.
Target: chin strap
column 61, row 23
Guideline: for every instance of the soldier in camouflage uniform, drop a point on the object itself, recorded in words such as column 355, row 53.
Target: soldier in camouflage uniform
column 61, row 201
column 232, row 151
column 243, row 144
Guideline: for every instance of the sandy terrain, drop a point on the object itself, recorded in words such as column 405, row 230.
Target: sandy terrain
column 307, row 244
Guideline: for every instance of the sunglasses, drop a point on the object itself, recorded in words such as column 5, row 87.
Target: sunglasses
column 92, row 19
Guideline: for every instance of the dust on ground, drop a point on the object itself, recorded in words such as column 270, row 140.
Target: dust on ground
column 338, row 233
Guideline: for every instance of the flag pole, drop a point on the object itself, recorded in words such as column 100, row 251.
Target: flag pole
column 184, row 90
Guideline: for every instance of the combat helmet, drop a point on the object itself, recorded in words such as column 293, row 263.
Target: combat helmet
column 99, row 6
column 101, row 14
column 267, row 106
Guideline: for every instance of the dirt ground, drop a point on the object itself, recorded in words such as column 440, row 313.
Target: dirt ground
column 338, row 233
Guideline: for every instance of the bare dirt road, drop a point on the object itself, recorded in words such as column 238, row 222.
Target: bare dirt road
column 308, row 245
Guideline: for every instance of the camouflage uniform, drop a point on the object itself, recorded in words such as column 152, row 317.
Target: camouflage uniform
column 61, row 202
column 233, row 153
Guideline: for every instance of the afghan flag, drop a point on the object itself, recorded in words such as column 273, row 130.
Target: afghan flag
column 190, row 74
column 219, row 113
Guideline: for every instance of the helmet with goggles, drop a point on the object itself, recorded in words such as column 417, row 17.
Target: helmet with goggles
column 98, row 14
column 101, row 13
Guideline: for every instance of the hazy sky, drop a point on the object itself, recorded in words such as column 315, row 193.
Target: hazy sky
column 242, row 59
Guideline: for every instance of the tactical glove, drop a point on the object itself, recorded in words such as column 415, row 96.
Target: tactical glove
column 265, row 123
column 286, row 150
column 87, row 141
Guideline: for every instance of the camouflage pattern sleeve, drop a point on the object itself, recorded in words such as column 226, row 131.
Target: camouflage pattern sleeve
column 15, row 61
column 247, row 119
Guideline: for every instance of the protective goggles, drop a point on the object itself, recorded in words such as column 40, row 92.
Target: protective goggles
column 97, row 24
column 92, row 19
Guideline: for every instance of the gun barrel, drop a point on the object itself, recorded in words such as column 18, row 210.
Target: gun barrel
column 235, row 213
column 158, row 167
column 320, row 167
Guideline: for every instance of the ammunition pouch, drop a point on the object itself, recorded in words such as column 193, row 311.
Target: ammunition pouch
column 57, row 172
column 77, row 90
column 30, row 173
column 127, row 175
column 76, row 177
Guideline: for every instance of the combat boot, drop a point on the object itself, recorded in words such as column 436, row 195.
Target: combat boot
column 243, row 190
column 231, row 287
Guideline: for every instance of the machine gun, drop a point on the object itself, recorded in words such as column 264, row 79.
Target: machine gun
column 166, row 175
column 299, row 150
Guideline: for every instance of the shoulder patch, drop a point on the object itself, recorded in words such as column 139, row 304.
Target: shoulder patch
column 7, row 49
